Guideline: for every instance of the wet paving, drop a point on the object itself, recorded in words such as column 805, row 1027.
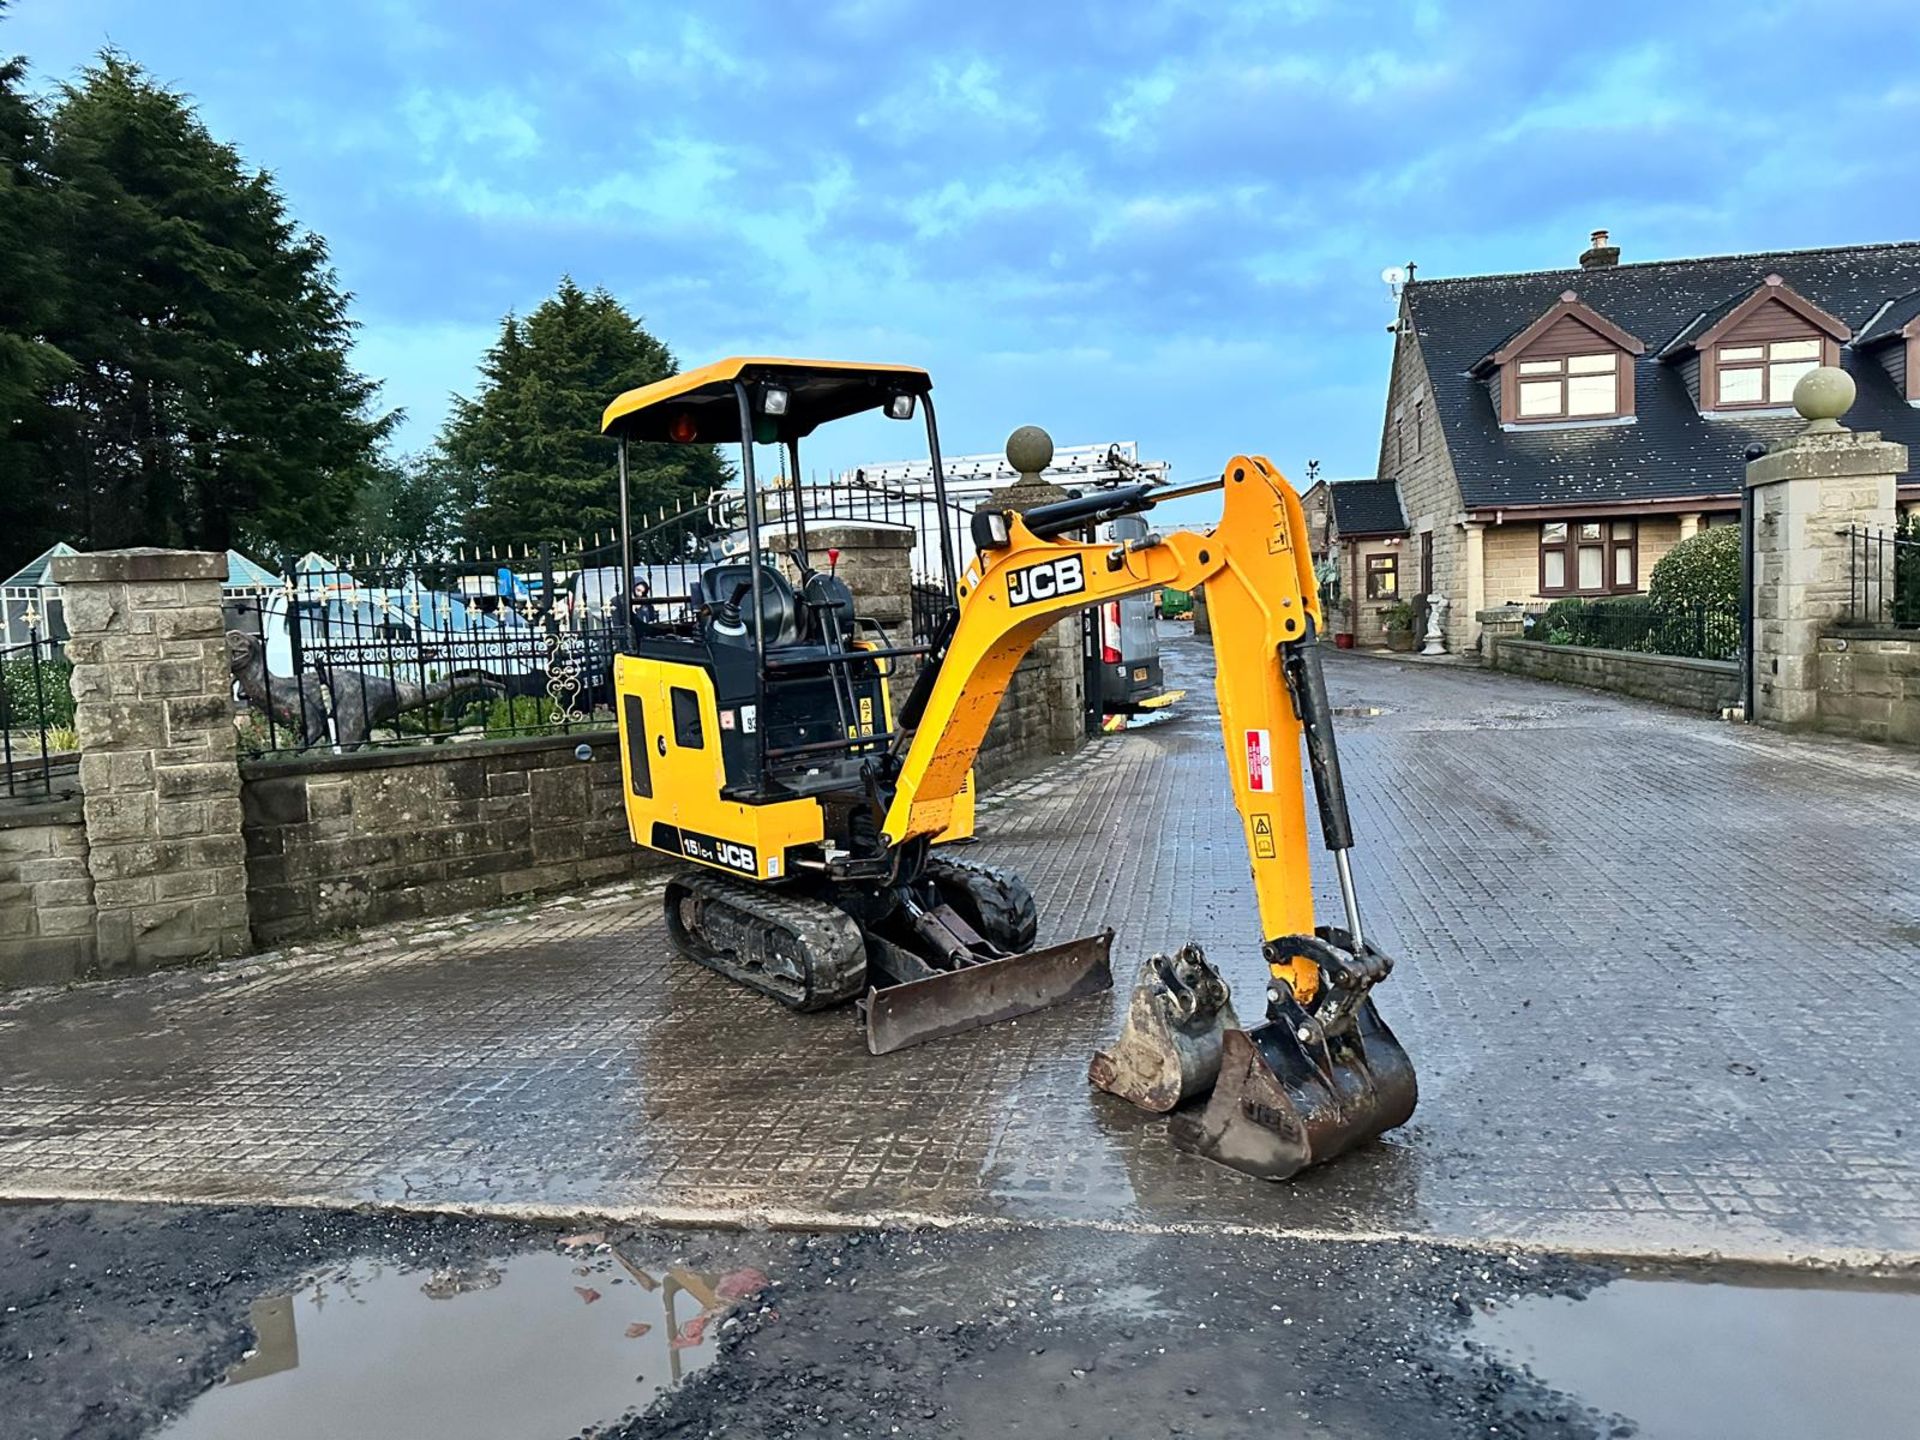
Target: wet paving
column 1657, row 975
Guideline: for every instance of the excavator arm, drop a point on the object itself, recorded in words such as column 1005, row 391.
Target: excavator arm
column 1265, row 611
column 1323, row 1072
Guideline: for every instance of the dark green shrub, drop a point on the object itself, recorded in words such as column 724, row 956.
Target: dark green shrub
column 23, row 707
column 1906, row 573
column 1703, row 569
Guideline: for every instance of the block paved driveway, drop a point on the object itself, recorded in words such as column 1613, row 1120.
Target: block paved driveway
column 1657, row 974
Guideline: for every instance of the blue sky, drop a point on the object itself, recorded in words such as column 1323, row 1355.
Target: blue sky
column 1160, row 222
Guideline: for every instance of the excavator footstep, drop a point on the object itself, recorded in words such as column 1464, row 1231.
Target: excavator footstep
column 1169, row 1047
column 976, row 995
column 1281, row 1106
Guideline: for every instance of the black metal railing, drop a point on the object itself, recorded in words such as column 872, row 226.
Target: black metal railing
column 38, row 746
column 1883, row 576
column 520, row 639
column 397, row 650
column 1636, row 623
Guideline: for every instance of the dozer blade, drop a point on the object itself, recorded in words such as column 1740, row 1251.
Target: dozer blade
column 977, row 995
column 1281, row 1106
column 1169, row 1047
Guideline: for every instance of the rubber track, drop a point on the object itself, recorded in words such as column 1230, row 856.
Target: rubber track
column 1006, row 912
column 835, row 952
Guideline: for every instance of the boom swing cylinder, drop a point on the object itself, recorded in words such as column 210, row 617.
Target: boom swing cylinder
column 761, row 738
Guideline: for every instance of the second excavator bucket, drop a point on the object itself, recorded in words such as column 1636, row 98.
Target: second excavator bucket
column 1282, row 1105
column 947, row 1002
column 1169, row 1048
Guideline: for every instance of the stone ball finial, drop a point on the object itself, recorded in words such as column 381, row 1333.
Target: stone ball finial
column 1822, row 396
column 1029, row 450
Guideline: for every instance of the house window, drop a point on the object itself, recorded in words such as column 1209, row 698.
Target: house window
column 1383, row 577
column 1419, row 427
column 1578, row 387
column 1589, row 557
column 1762, row 374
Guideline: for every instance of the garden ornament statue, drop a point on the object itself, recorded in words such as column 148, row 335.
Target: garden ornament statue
column 1436, row 625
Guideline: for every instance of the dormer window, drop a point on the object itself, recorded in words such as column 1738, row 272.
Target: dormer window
column 1576, row 387
column 1763, row 374
column 1571, row 365
column 1750, row 350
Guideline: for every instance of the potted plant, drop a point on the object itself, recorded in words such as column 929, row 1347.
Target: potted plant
column 1398, row 619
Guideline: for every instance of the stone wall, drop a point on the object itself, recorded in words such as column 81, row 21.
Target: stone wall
column 1708, row 686
column 339, row 841
column 46, row 895
column 1869, row 683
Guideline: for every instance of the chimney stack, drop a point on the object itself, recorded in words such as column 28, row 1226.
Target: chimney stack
column 1599, row 253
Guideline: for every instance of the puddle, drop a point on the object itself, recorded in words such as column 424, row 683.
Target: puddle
column 537, row 1344
column 1684, row 1359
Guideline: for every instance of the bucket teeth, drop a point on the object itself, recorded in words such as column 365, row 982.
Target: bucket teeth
column 1281, row 1106
column 1169, row 1046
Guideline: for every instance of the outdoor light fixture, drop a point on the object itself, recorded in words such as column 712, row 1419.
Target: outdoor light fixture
column 773, row 400
column 682, row 430
column 990, row 530
column 900, row 407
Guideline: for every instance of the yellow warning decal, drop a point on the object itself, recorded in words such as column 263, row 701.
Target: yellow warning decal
column 866, row 715
column 1263, row 837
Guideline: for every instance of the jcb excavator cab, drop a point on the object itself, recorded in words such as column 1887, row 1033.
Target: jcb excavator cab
column 781, row 679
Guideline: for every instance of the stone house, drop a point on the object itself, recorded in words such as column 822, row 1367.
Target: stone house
column 1555, row 433
column 1359, row 534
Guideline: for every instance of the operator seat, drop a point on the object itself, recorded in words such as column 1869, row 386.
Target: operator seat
column 779, row 611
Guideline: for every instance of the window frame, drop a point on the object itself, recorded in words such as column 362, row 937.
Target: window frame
column 1610, row 545
column 1378, row 565
column 1562, row 375
column 1764, row 366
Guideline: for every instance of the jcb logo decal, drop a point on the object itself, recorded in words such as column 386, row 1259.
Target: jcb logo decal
column 1046, row 582
column 713, row 851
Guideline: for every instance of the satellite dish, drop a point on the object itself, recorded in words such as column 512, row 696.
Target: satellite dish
column 1393, row 275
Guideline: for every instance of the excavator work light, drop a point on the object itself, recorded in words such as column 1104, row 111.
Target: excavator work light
column 773, row 400
column 990, row 530
column 900, row 407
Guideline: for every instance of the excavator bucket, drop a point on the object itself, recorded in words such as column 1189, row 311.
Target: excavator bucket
column 1281, row 1105
column 1169, row 1047
column 947, row 1002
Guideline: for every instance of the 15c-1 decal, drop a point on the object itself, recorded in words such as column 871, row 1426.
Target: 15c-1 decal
column 1046, row 581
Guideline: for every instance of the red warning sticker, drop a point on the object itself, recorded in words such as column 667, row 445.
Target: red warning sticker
column 1259, row 761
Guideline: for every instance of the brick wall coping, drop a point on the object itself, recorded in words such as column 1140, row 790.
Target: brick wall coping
column 272, row 766
column 132, row 566
column 20, row 815
column 1676, row 662
column 1872, row 632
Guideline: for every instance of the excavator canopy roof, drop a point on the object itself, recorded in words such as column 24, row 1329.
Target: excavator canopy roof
column 700, row 407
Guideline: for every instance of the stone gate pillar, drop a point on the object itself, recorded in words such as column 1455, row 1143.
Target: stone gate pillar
column 1804, row 496
column 153, row 708
column 876, row 562
column 1045, row 708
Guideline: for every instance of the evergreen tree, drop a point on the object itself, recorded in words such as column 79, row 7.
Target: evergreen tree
column 528, row 447
column 30, row 288
column 412, row 508
column 210, row 401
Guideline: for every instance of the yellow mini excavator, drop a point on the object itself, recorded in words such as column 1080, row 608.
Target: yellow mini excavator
column 762, row 745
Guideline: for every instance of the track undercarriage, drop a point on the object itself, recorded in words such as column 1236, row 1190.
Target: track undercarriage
column 945, row 953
